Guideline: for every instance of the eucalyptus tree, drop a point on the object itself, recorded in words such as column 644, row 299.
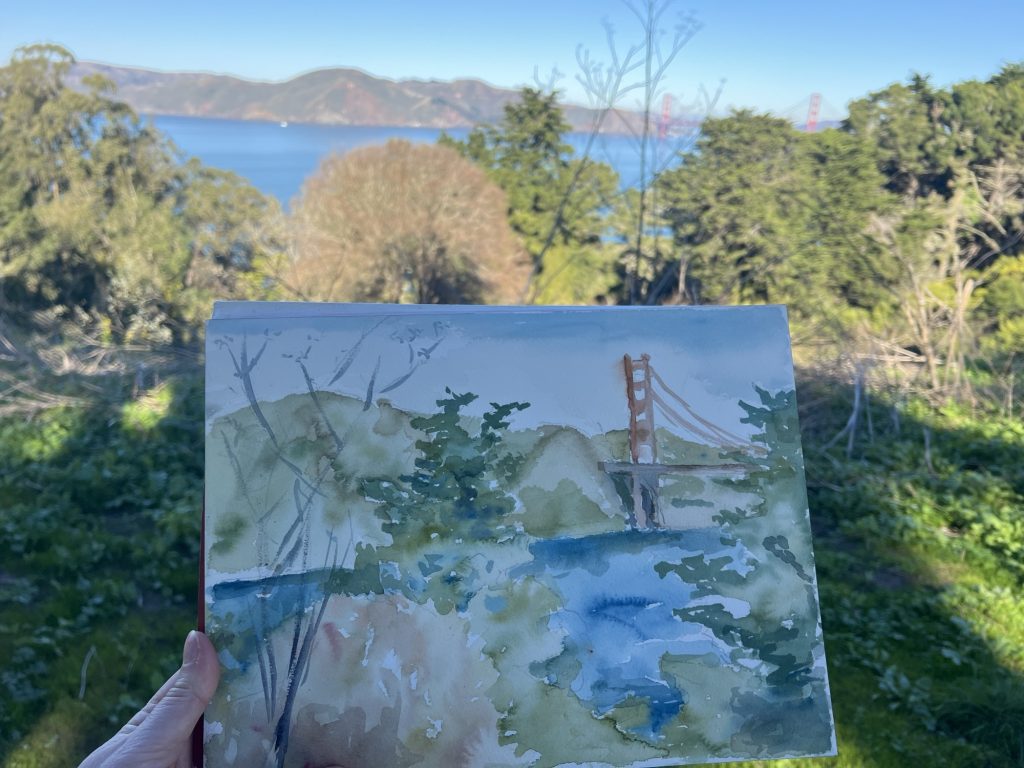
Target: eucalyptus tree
column 103, row 221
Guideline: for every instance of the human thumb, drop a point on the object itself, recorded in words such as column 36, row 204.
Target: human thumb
column 164, row 734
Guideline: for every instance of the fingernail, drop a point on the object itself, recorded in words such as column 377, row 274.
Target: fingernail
column 191, row 653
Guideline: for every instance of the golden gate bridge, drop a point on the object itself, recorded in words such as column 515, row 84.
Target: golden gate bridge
column 648, row 394
column 806, row 115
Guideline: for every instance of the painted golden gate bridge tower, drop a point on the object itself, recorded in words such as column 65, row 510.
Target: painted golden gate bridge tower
column 645, row 389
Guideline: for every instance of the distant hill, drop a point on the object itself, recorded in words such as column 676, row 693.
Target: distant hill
column 338, row 96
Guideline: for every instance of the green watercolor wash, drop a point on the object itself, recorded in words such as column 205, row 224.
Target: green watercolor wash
column 443, row 525
column 228, row 532
column 565, row 511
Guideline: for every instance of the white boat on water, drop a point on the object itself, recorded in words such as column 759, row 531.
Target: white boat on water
column 284, row 123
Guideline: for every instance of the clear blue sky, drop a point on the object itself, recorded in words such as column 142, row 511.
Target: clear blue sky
column 772, row 55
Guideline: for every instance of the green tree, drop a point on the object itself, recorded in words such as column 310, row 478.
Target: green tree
column 955, row 159
column 840, row 266
column 45, row 133
column 1002, row 309
column 734, row 205
column 914, row 151
column 101, row 221
column 982, row 115
column 556, row 202
column 761, row 212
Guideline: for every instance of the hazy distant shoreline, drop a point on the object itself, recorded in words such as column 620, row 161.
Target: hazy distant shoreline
column 276, row 159
column 338, row 97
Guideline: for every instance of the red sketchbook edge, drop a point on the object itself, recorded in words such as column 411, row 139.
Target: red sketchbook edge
column 197, row 733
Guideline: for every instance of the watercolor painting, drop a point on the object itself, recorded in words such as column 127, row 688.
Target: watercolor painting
column 508, row 537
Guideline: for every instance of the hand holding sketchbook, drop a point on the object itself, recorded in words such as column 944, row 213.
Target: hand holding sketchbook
column 466, row 536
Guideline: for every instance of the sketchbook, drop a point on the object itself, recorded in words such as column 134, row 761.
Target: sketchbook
column 469, row 536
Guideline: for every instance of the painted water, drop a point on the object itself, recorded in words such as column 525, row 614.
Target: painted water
column 618, row 615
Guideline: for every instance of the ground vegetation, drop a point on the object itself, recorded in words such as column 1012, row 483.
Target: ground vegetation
column 896, row 239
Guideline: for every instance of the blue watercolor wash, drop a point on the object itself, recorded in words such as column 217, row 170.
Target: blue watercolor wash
column 255, row 608
column 618, row 614
column 429, row 564
column 495, row 603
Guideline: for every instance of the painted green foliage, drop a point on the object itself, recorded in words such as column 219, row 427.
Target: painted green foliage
column 455, row 494
column 450, row 493
column 782, row 629
column 472, row 537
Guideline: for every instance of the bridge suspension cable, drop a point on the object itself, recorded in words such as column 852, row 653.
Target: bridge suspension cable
column 680, row 421
column 644, row 388
column 711, row 430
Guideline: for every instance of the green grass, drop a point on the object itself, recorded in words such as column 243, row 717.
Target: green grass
column 920, row 571
column 920, row 574
column 99, row 534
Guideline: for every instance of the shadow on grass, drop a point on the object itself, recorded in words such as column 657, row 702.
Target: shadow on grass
column 99, row 533
column 920, row 587
column 919, row 537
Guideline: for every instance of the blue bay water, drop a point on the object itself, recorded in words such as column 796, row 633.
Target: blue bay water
column 618, row 613
column 277, row 159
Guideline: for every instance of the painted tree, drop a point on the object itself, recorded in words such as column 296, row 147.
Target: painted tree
column 458, row 492
column 404, row 222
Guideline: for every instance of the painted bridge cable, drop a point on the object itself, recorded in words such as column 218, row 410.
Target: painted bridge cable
column 724, row 435
column 680, row 421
